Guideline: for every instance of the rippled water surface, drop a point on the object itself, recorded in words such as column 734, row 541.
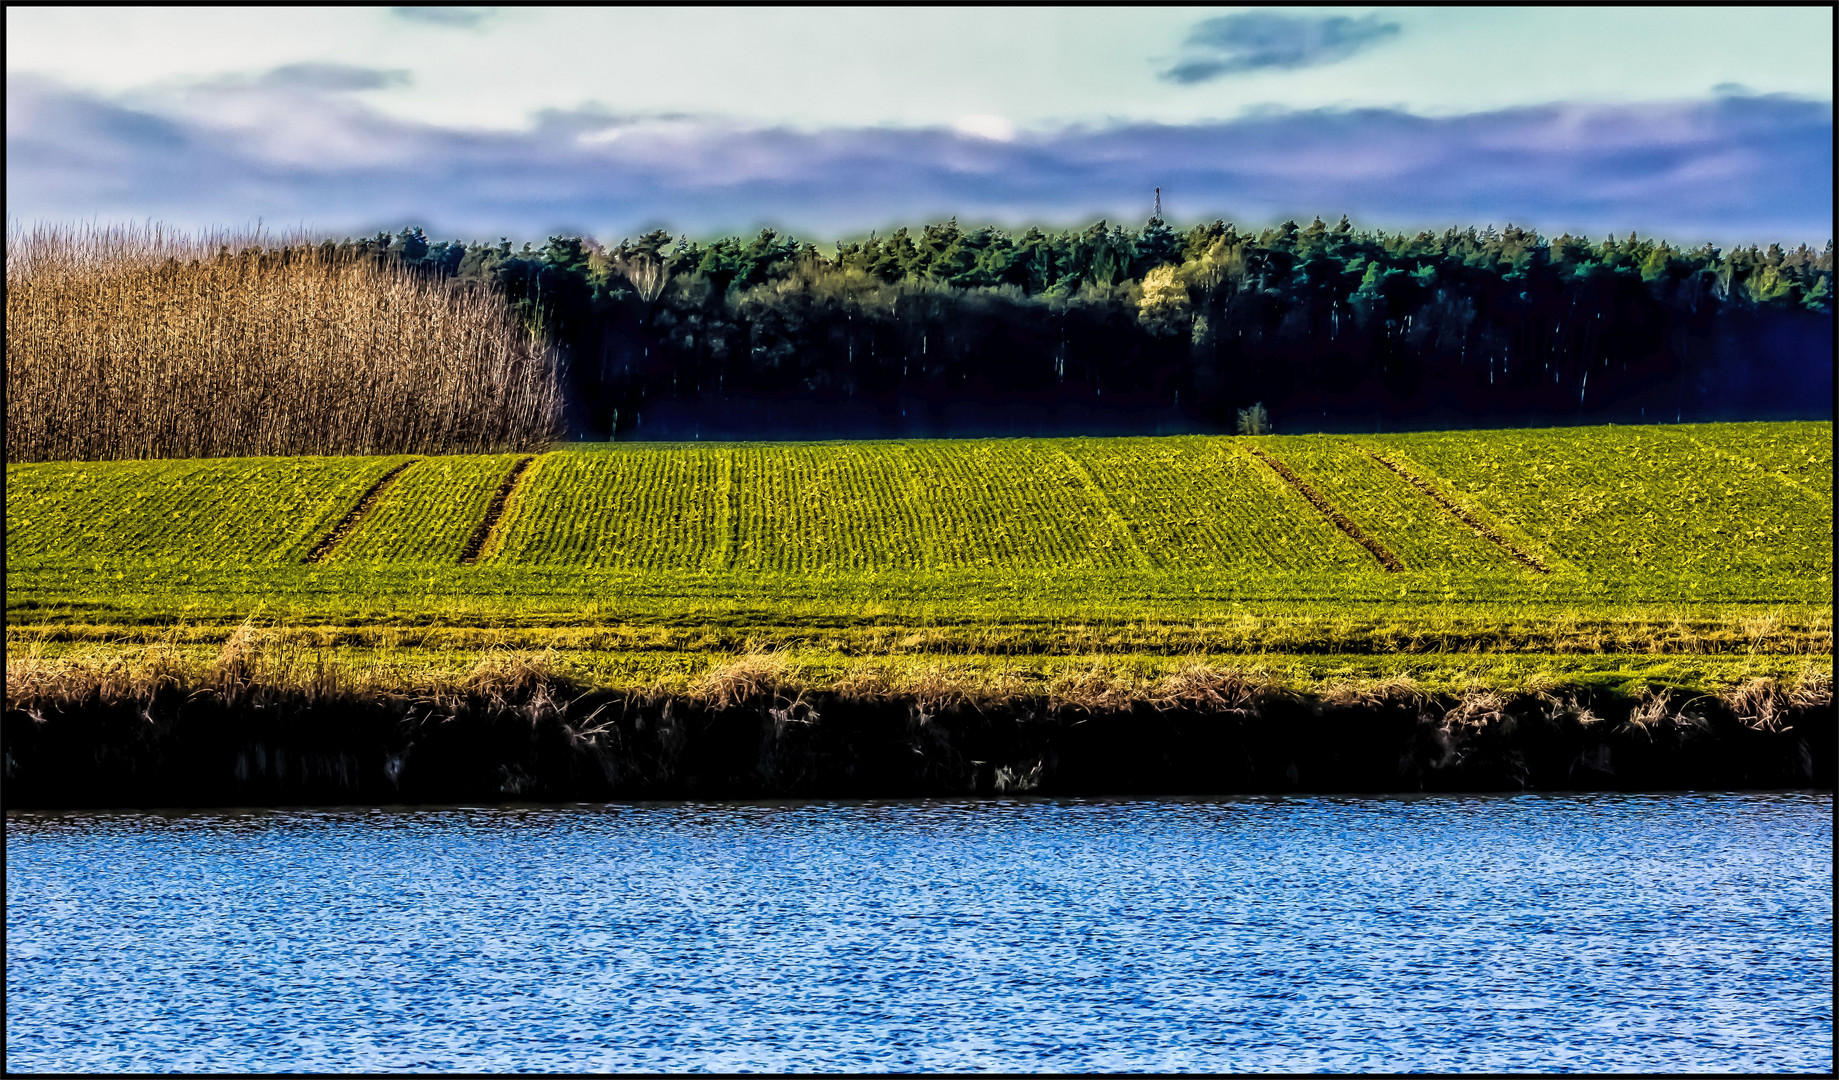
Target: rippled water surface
column 1528, row 932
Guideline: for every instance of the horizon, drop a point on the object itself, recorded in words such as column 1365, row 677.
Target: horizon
column 268, row 235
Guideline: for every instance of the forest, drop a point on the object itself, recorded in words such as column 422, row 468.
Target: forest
column 134, row 342
column 948, row 330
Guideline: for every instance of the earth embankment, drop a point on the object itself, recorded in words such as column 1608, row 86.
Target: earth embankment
column 249, row 744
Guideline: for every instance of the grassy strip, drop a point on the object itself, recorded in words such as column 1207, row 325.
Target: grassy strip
column 1511, row 609
column 287, row 658
column 1481, row 630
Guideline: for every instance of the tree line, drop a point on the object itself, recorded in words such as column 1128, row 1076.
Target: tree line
column 948, row 329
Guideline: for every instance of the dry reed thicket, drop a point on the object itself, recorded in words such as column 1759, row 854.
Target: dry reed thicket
column 137, row 342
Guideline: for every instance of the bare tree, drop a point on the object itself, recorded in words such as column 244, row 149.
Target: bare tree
column 1254, row 421
column 645, row 272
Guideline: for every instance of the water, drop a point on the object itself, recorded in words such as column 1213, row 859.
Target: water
column 1547, row 932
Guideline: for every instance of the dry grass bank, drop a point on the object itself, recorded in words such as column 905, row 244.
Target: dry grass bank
column 254, row 728
column 257, row 660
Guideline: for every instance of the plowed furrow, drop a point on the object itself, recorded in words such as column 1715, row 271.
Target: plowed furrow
column 476, row 542
column 350, row 520
column 1460, row 514
column 1386, row 558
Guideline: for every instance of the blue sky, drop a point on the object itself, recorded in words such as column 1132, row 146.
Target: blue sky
column 1693, row 123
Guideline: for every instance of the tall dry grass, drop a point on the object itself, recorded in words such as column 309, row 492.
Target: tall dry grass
column 138, row 342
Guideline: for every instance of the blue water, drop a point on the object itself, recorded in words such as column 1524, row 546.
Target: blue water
column 1547, row 932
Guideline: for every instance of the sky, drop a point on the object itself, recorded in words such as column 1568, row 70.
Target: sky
column 1693, row 123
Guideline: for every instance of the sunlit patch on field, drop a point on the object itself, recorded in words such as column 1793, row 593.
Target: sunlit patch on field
column 1635, row 500
column 1711, row 540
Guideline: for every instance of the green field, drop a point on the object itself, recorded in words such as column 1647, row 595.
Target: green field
column 1711, row 541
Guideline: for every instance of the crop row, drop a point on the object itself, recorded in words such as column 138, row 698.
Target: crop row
column 987, row 504
column 1205, row 503
column 1404, row 520
column 1037, row 505
column 632, row 509
column 1636, row 500
column 428, row 513
column 216, row 510
column 1607, row 502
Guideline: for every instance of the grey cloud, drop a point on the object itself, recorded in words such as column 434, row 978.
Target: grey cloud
column 1259, row 40
column 1726, row 169
column 462, row 17
column 559, row 122
column 333, row 77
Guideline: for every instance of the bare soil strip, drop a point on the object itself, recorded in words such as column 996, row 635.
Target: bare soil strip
column 476, row 542
column 350, row 520
column 1461, row 515
column 1386, row 558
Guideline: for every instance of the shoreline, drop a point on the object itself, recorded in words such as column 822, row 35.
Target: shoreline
column 521, row 735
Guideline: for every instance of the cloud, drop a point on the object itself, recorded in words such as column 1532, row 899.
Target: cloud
column 332, row 77
column 1260, row 40
column 985, row 126
column 462, row 17
column 1727, row 169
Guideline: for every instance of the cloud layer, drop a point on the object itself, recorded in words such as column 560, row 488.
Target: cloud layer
column 297, row 146
column 1263, row 40
column 463, row 17
column 333, row 77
